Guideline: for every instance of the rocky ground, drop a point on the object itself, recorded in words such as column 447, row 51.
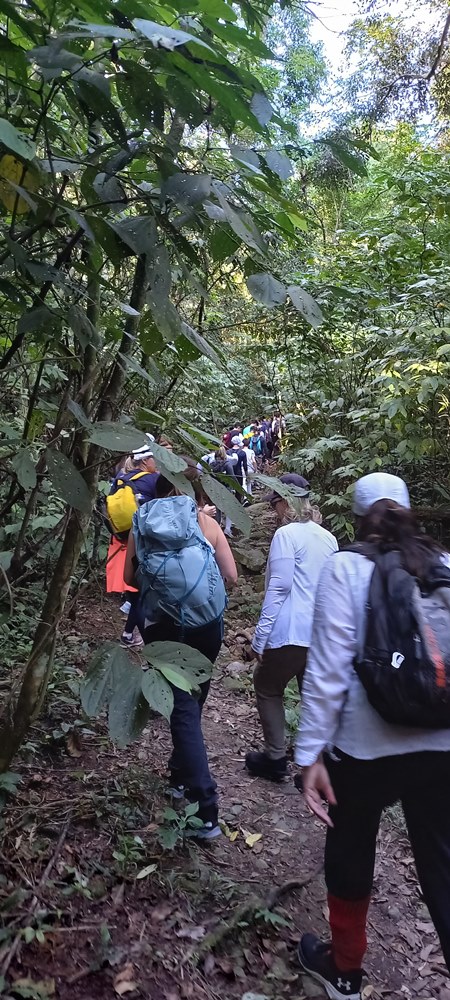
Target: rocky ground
column 94, row 906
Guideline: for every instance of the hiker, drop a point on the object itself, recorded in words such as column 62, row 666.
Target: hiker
column 224, row 464
column 282, row 635
column 259, row 447
column 240, row 461
column 140, row 477
column 252, row 467
column 235, row 431
column 351, row 755
column 184, row 562
column 249, row 430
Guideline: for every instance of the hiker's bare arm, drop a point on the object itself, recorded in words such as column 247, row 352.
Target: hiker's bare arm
column 223, row 553
column 128, row 573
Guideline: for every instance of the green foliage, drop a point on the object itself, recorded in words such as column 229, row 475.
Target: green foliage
column 130, row 693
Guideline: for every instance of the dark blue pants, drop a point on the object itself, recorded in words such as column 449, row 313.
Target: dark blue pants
column 189, row 762
column 136, row 615
column 363, row 788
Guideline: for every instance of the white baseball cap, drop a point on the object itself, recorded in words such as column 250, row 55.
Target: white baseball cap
column 144, row 451
column 379, row 486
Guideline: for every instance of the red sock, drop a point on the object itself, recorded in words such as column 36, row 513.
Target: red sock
column 348, row 931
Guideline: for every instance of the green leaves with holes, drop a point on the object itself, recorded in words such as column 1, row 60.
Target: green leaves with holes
column 116, row 437
column 82, row 327
column 67, row 482
column 112, row 681
column 225, row 501
column 24, row 467
column 16, row 141
column 115, row 683
column 182, row 665
column 262, row 108
column 267, row 289
column 306, row 305
column 158, row 693
column 352, row 161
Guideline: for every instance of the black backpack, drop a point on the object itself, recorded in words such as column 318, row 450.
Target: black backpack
column 404, row 664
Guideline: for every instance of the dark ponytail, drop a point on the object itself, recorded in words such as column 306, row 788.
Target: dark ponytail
column 392, row 527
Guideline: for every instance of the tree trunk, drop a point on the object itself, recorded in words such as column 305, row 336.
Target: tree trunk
column 18, row 717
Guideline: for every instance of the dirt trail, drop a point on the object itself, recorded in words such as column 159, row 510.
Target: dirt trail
column 107, row 934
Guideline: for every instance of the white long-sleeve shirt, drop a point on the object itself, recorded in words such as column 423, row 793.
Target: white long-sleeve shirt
column 297, row 554
column 335, row 708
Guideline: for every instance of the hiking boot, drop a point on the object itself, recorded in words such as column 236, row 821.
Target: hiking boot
column 176, row 791
column 130, row 640
column 210, row 819
column 262, row 766
column 316, row 959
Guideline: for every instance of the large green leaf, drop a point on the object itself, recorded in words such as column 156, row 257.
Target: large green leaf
column 24, row 467
column 201, row 344
column 128, row 709
column 16, row 141
column 138, row 232
column 116, row 437
column 279, row 164
column 157, row 692
column 306, row 305
column 350, row 160
column 187, row 189
column 267, row 289
column 82, row 327
column 67, row 482
column 262, row 108
column 226, row 502
column 187, row 666
column 289, row 493
column 107, row 666
column 172, row 462
column 164, row 37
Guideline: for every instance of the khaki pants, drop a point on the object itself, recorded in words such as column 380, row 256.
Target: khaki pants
column 270, row 678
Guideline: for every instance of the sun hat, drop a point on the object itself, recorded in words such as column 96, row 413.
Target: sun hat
column 378, row 486
column 299, row 483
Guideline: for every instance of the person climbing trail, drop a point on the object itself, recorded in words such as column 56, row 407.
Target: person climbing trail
column 182, row 562
column 375, row 721
column 131, row 487
column 282, row 635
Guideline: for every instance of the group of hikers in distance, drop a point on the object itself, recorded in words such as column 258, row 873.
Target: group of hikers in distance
column 365, row 631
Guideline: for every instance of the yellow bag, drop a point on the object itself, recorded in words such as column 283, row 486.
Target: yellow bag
column 121, row 505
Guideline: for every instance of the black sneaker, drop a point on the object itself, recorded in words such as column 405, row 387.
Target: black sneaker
column 316, row 959
column 209, row 818
column 262, row 766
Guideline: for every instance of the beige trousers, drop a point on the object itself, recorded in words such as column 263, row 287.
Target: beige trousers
column 270, row 678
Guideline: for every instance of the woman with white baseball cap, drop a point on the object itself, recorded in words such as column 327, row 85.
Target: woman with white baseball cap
column 358, row 762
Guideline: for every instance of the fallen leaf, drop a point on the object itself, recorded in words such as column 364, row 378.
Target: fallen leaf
column 193, row 933
column 73, row 745
column 252, row 838
column 146, row 871
column 161, row 912
column 118, row 894
column 44, row 988
column 123, row 982
column 209, row 964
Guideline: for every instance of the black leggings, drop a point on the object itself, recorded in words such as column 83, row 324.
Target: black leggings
column 363, row 788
